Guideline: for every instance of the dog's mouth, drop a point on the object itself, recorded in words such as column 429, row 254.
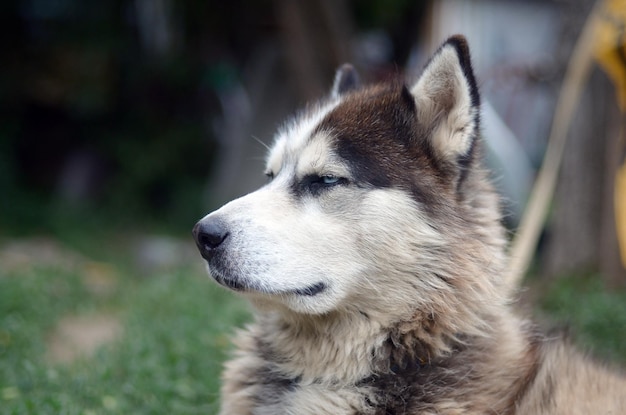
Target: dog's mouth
column 228, row 282
column 308, row 291
column 311, row 290
column 238, row 285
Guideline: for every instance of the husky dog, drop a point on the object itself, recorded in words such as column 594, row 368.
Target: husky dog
column 376, row 262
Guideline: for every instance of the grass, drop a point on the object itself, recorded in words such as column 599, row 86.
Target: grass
column 176, row 328
column 175, row 335
column 594, row 316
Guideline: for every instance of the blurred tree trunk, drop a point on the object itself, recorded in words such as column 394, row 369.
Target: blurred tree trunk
column 582, row 233
column 611, row 263
column 316, row 36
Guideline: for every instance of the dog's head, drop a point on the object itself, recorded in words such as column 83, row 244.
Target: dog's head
column 376, row 201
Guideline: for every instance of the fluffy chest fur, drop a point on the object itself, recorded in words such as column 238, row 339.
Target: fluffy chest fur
column 296, row 372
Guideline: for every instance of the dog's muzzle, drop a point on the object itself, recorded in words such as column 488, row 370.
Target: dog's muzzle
column 209, row 234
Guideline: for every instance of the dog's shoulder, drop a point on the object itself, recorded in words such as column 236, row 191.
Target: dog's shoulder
column 570, row 382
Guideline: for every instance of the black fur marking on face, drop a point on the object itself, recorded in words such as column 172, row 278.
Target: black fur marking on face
column 376, row 133
column 361, row 164
column 369, row 131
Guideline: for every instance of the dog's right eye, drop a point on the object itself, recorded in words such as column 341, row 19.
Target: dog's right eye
column 269, row 175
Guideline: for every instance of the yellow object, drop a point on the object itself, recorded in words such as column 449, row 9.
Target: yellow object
column 610, row 45
column 610, row 52
column 620, row 210
column 604, row 38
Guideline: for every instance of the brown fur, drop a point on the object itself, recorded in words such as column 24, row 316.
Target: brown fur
column 423, row 324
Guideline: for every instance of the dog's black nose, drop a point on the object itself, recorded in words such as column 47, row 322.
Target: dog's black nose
column 209, row 234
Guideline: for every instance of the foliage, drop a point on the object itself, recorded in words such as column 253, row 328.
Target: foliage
column 83, row 100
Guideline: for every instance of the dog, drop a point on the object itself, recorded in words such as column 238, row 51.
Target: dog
column 376, row 262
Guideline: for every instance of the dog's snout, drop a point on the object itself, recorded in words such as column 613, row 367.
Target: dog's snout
column 209, row 234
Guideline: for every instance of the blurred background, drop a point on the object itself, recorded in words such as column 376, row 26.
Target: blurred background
column 152, row 110
column 123, row 122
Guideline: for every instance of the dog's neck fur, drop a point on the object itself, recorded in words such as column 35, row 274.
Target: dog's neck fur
column 334, row 348
column 345, row 347
column 348, row 350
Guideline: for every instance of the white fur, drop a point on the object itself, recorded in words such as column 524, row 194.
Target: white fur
column 444, row 78
column 293, row 136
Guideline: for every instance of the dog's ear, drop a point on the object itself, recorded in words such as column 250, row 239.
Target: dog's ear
column 346, row 79
column 447, row 101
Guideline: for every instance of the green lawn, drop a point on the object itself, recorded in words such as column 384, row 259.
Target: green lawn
column 166, row 360
column 593, row 316
column 175, row 326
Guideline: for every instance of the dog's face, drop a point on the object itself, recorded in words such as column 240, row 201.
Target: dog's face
column 353, row 215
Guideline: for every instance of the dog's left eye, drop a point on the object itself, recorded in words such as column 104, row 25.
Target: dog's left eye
column 329, row 180
column 316, row 184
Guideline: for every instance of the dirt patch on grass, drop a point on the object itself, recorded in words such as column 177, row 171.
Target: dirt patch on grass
column 20, row 255
column 80, row 336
